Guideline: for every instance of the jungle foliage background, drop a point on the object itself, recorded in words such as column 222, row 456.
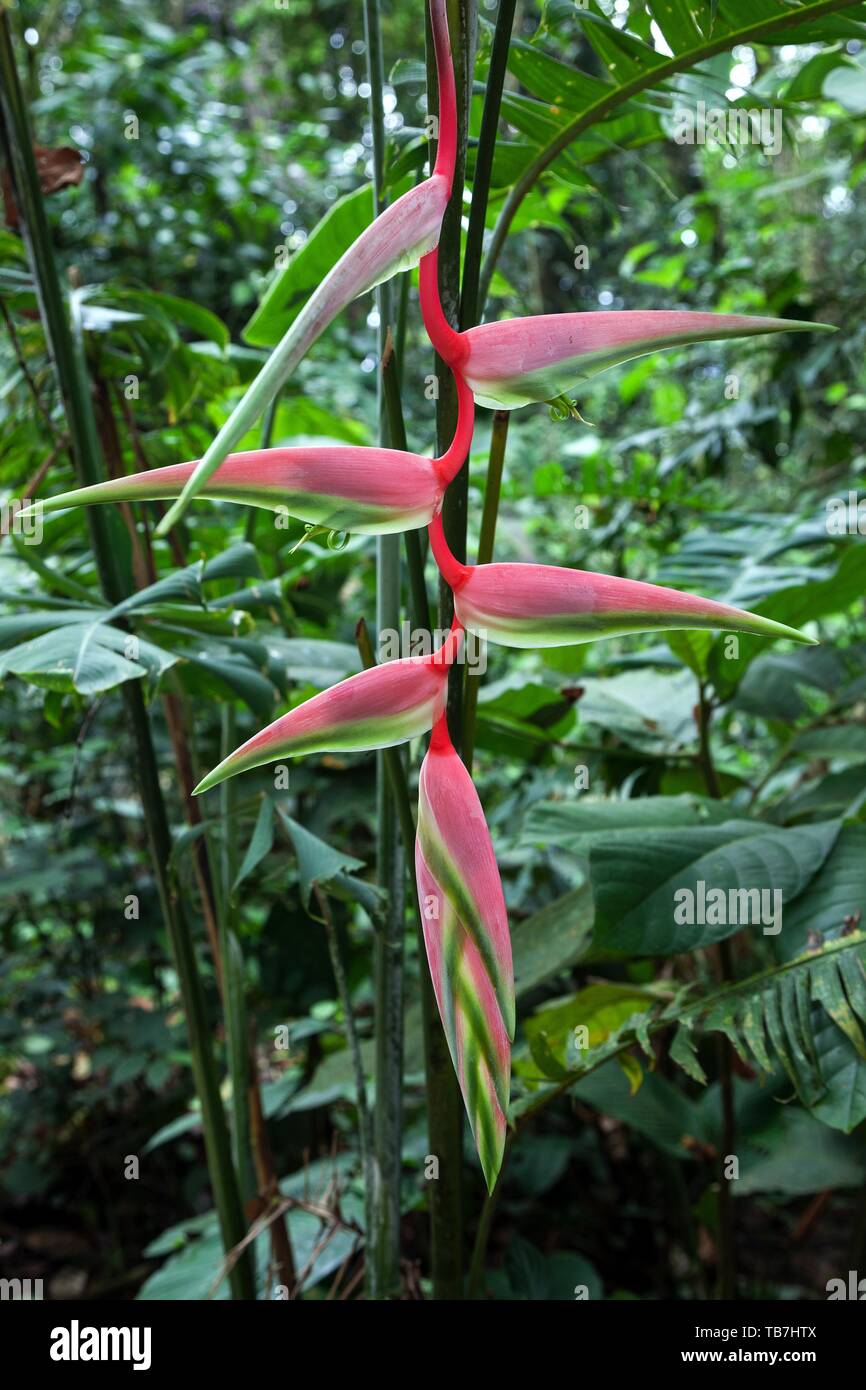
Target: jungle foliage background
column 606, row 771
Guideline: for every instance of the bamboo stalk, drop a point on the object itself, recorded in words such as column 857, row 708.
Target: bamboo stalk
column 74, row 385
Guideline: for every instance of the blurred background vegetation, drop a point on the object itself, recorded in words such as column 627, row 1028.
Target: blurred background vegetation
column 212, row 135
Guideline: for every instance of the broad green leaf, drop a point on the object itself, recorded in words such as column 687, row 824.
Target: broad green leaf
column 643, row 884
column 577, row 824
column 88, row 658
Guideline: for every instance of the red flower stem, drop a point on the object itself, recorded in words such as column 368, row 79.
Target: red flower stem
column 453, row 572
column 452, row 460
column 450, row 345
column 446, row 140
column 440, row 739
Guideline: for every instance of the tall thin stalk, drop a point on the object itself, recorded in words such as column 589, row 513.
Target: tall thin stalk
column 471, row 307
column 493, row 488
column 470, row 303
column 444, row 1103
column 419, row 602
column 70, row 366
column 726, row 1261
column 383, row 1201
column 232, row 970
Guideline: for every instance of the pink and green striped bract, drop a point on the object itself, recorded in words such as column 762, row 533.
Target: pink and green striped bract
column 342, row 487
column 525, row 605
column 548, row 606
column 467, row 940
column 512, row 362
column 385, row 705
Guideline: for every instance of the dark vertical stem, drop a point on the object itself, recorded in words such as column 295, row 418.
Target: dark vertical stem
column 70, row 366
column 482, row 1234
column 470, row 307
column 341, row 981
column 493, row 488
column 232, row 970
column 444, row 1104
column 383, row 1230
column 419, row 602
column 726, row 1271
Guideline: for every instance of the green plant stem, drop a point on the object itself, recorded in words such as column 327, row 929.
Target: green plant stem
column 341, row 981
column 383, row 1198
column 492, row 492
column 419, row 601
column 652, row 77
column 74, row 386
column 232, row 969
column 470, row 303
column 266, row 438
column 470, row 313
column 726, row 1275
column 485, row 1222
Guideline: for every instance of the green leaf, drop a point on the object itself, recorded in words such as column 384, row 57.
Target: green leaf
column 578, row 824
column 260, row 844
column 530, row 1275
column 560, row 1031
column 797, row 1013
column 88, row 658
column 318, row 862
column 795, row 605
column 641, row 883
column 692, row 648
column 293, row 283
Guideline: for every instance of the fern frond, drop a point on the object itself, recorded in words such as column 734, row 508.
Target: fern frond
column 792, row 1014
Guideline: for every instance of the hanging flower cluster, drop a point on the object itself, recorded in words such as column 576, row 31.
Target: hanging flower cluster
column 375, row 491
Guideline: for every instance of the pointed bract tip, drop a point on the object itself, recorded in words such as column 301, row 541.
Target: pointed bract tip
column 769, row 627
column 172, row 515
column 50, row 504
column 213, row 778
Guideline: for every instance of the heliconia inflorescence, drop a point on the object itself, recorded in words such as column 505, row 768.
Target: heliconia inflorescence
column 468, row 944
column 375, row 490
